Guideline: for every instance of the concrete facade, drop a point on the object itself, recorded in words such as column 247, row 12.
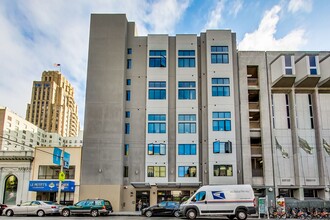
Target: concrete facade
column 236, row 126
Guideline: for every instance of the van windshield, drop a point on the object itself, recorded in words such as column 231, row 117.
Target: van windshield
column 199, row 196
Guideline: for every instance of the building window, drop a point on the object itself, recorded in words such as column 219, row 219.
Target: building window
column 156, row 149
column 129, row 50
column 219, row 54
column 127, row 128
column 187, row 149
column 187, row 123
column 221, row 121
column 312, row 65
column 222, row 147
column 186, row 58
column 52, row 172
column 287, row 110
column 223, row 170
column 129, row 63
column 157, row 58
column 187, row 90
column 125, row 171
column 156, row 123
column 128, row 95
column 128, row 82
column 288, row 65
column 158, row 90
column 220, row 87
column 187, row 171
column 126, row 149
column 10, row 190
column 156, row 171
column 127, row 114
column 311, row 110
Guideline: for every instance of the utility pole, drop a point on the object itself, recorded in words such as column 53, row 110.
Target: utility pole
column 60, row 181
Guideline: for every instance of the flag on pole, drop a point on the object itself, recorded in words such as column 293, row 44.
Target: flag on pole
column 284, row 153
column 326, row 146
column 305, row 146
column 57, row 64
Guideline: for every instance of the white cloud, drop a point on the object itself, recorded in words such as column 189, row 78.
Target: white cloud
column 35, row 34
column 300, row 5
column 264, row 37
column 236, row 7
column 215, row 16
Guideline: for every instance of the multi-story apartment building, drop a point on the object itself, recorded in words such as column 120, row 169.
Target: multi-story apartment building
column 18, row 134
column 19, row 140
column 52, row 106
column 166, row 114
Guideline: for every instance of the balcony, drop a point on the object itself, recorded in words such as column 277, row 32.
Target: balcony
column 256, row 150
column 325, row 70
column 308, row 71
column 254, row 125
column 253, row 82
column 254, row 106
column 282, row 70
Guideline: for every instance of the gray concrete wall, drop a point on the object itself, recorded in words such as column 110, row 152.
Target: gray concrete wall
column 102, row 157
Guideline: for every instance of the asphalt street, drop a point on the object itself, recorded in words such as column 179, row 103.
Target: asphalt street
column 102, row 218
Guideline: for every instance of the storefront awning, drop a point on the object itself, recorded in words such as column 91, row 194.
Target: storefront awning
column 140, row 184
column 177, row 185
column 50, row 186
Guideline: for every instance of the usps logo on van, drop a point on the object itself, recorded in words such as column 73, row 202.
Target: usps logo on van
column 218, row 195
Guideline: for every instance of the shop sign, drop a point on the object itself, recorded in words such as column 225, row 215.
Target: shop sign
column 51, row 186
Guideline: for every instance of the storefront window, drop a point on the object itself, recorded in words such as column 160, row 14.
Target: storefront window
column 10, row 190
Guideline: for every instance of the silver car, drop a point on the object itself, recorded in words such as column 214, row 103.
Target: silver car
column 39, row 208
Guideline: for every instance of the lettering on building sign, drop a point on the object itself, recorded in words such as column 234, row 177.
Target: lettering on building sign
column 310, row 180
column 286, row 180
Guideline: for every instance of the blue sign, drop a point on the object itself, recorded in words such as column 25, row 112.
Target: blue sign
column 51, row 186
column 218, row 195
column 57, row 156
column 66, row 160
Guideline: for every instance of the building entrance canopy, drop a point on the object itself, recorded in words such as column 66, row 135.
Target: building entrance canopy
column 51, row 186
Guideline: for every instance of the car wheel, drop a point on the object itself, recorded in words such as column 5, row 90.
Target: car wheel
column 40, row 213
column 94, row 213
column 191, row 214
column 148, row 213
column 9, row 213
column 66, row 213
column 177, row 214
column 241, row 214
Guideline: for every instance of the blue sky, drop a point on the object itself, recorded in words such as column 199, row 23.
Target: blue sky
column 35, row 34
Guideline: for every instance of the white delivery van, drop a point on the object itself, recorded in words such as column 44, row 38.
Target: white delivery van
column 228, row 200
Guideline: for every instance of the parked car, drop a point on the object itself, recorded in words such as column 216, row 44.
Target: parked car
column 39, row 208
column 2, row 207
column 168, row 208
column 94, row 207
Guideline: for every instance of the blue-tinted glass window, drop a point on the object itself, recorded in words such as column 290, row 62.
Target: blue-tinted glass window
column 186, row 53
column 128, row 95
column 187, row 117
column 129, row 50
column 157, row 93
column 187, row 171
column 186, row 90
column 222, row 147
column 288, row 62
column 184, row 126
column 127, row 114
column 129, row 63
column 157, row 84
column 157, row 125
column 126, row 149
column 312, row 61
column 156, row 149
column 219, row 87
column 187, row 149
column 313, row 71
column 186, row 62
column 157, row 58
column 127, row 128
column 128, row 82
column 219, row 54
column 224, row 124
column 156, row 117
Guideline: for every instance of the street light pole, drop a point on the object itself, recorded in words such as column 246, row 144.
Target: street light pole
column 60, row 181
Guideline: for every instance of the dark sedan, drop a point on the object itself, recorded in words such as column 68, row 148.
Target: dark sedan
column 165, row 208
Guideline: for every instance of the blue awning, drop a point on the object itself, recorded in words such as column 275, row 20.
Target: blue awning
column 50, row 186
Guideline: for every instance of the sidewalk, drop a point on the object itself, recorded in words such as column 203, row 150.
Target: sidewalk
column 126, row 213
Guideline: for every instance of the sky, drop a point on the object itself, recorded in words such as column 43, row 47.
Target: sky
column 35, row 34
